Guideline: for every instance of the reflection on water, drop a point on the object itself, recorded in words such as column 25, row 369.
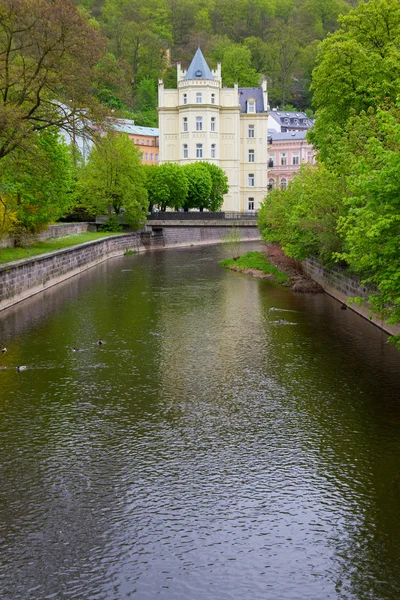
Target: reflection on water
column 205, row 450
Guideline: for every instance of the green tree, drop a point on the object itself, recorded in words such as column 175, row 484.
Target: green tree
column 358, row 67
column 303, row 218
column 113, row 179
column 371, row 225
column 47, row 55
column 219, row 187
column 36, row 185
column 167, row 185
column 199, row 186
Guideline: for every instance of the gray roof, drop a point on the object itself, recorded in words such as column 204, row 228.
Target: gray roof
column 292, row 118
column 198, row 68
column 253, row 92
column 128, row 126
column 276, row 136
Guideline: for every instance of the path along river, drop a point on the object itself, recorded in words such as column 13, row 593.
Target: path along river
column 205, row 451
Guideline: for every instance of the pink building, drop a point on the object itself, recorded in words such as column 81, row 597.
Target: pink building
column 286, row 152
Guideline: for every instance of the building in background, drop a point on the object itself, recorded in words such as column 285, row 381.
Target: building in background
column 281, row 121
column 203, row 121
column 286, row 152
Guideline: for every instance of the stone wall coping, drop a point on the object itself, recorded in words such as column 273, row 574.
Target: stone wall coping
column 207, row 223
column 44, row 255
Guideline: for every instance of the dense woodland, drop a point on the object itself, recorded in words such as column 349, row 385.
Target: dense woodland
column 277, row 39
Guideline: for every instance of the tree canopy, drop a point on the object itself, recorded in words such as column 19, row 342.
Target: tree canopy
column 113, row 179
column 47, row 54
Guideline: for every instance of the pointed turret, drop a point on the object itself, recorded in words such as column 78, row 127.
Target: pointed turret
column 199, row 69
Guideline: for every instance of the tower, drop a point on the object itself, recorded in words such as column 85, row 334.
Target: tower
column 201, row 120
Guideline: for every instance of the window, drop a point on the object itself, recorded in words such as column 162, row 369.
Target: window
column 251, row 131
column 147, row 156
column 184, row 98
column 199, row 123
column 283, row 159
column 212, row 150
column 283, row 183
column 251, row 155
column 212, row 123
column 251, row 106
column 138, row 141
column 271, row 160
column 153, row 143
column 185, row 151
column 147, row 142
column 212, row 98
column 185, row 124
column 199, row 150
column 271, row 183
column 309, row 157
column 157, row 157
column 199, row 98
column 295, row 158
column 251, row 180
column 151, row 156
column 250, row 204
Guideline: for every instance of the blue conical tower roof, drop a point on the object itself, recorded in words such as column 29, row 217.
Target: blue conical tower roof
column 199, row 69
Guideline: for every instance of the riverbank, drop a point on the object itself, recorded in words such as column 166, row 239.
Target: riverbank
column 273, row 264
column 9, row 255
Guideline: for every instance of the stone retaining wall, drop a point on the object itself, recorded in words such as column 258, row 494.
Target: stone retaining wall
column 52, row 231
column 24, row 278
column 183, row 235
column 341, row 285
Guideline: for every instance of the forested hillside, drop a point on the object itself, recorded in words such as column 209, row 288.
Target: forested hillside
column 277, row 39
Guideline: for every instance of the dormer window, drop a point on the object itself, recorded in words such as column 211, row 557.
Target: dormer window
column 251, row 106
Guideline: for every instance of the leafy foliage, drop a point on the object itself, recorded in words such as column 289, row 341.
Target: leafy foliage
column 113, row 179
column 36, row 186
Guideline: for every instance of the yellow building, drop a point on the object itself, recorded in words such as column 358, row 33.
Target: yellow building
column 201, row 120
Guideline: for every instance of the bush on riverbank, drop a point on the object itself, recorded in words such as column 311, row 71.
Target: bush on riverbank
column 257, row 264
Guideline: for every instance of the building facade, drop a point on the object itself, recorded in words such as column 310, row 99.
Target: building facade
column 286, row 152
column 201, row 120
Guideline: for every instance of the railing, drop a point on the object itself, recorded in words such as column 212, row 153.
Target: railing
column 200, row 216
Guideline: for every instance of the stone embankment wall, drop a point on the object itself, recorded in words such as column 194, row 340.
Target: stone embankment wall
column 184, row 236
column 341, row 285
column 52, row 231
column 24, row 278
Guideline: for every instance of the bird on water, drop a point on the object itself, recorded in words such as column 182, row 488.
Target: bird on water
column 100, row 342
column 3, row 350
column 21, row 368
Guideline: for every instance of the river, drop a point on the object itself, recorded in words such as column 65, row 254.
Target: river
column 204, row 451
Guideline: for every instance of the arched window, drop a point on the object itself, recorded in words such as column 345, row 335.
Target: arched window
column 283, row 183
column 271, row 183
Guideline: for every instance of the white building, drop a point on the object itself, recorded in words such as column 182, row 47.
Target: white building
column 201, row 120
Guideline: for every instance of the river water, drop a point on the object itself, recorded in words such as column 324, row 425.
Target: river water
column 204, row 451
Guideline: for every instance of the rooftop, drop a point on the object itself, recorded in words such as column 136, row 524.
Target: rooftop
column 199, row 68
column 291, row 118
column 256, row 93
column 276, row 136
column 128, row 126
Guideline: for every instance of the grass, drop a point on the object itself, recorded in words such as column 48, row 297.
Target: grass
column 11, row 254
column 257, row 261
